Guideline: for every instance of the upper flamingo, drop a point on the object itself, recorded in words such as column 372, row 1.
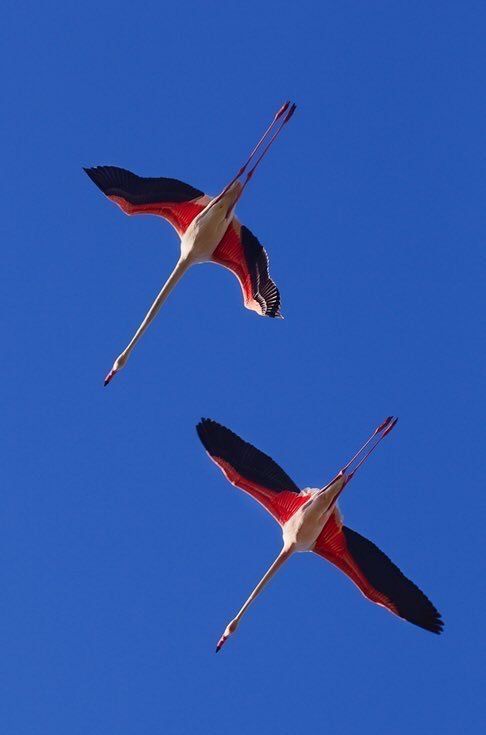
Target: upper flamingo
column 311, row 521
column 208, row 229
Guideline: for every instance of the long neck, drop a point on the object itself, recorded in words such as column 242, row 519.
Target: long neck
column 181, row 267
column 281, row 558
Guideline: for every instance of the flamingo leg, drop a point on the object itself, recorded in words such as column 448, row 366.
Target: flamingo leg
column 266, row 148
column 265, row 135
column 288, row 108
column 361, row 456
column 350, row 469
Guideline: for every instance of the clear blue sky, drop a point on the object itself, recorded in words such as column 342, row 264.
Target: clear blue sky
column 124, row 552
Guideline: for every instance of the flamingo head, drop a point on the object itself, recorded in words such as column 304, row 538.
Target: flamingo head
column 117, row 365
column 230, row 629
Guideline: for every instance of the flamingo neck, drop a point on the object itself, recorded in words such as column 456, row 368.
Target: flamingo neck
column 281, row 558
column 181, row 267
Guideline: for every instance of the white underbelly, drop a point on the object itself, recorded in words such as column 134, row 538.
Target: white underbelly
column 302, row 536
column 204, row 234
column 303, row 529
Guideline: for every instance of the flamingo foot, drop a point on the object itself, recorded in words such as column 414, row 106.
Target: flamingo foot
column 362, row 455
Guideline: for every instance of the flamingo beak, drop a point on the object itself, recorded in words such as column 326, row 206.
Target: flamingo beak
column 109, row 377
column 221, row 643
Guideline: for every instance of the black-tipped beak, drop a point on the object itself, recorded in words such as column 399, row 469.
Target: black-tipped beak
column 221, row 642
column 109, row 377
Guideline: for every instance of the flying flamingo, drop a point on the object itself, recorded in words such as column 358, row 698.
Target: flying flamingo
column 311, row 521
column 207, row 227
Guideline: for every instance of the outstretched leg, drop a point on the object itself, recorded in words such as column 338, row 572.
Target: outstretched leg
column 242, row 170
column 368, row 447
column 263, row 145
column 349, row 469
column 266, row 148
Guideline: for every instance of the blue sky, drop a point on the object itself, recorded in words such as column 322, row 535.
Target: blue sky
column 124, row 552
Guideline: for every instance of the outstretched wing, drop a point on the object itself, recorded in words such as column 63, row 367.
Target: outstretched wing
column 251, row 470
column 376, row 576
column 177, row 202
column 240, row 252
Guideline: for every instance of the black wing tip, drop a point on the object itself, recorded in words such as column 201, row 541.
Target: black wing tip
column 248, row 461
column 437, row 628
column 200, row 427
column 203, row 423
column 408, row 600
column 98, row 175
column 92, row 173
column 90, row 170
column 113, row 180
column 206, row 425
column 107, row 177
column 216, row 438
column 211, row 429
column 104, row 167
column 265, row 291
column 205, row 429
column 433, row 623
column 271, row 308
column 428, row 618
column 425, row 615
column 93, row 170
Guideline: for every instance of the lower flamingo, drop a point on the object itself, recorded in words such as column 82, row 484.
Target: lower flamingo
column 311, row 521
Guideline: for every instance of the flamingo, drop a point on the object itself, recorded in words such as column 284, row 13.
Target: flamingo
column 207, row 227
column 311, row 521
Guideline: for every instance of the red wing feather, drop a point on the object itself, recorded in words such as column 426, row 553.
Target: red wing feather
column 175, row 201
column 375, row 574
column 331, row 544
column 240, row 252
column 251, row 470
column 179, row 215
column 281, row 506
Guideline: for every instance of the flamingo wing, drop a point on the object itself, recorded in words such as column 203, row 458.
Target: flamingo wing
column 240, row 252
column 251, row 470
column 171, row 199
column 375, row 574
